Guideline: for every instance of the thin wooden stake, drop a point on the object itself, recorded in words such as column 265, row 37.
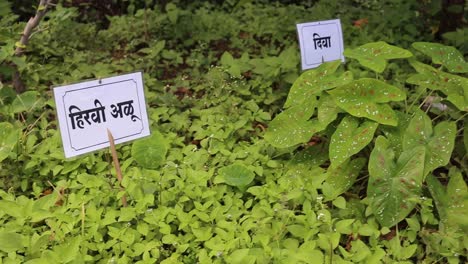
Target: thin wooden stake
column 116, row 165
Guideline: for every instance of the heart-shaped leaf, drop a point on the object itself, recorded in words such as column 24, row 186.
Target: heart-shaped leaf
column 439, row 143
column 150, row 152
column 291, row 127
column 349, row 138
column 364, row 98
column 394, row 186
column 454, row 86
column 447, row 56
column 237, row 175
column 375, row 55
column 341, row 178
column 311, row 83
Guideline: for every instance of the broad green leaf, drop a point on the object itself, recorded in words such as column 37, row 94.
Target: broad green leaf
column 312, row 82
column 366, row 98
column 439, row 195
column 69, row 249
column 453, row 86
column 10, row 241
column 341, row 178
column 291, row 127
column 327, row 110
column 237, row 175
column 349, row 138
column 26, row 102
column 451, row 201
column 150, row 152
column 375, row 55
column 439, row 143
column 447, row 56
column 394, row 186
column 8, row 138
column 457, row 207
column 296, row 125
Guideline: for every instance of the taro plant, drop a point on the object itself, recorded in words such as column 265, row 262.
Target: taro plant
column 369, row 120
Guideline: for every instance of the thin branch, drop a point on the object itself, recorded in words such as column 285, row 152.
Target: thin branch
column 32, row 23
column 19, row 50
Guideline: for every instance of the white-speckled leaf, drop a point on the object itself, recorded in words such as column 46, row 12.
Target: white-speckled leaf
column 394, row 187
column 367, row 98
column 349, row 138
column 341, row 178
column 439, row 143
column 375, row 55
column 312, row 82
column 453, row 86
column 291, row 127
column 447, row 56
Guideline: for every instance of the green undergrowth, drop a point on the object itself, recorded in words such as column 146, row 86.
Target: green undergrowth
column 250, row 160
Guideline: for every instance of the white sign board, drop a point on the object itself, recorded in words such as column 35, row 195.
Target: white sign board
column 320, row 42
column 86, row 110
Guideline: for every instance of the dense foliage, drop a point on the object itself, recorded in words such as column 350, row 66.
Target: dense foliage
column 250, row 160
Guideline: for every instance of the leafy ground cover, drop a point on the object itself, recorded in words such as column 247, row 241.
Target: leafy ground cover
column 250, row 160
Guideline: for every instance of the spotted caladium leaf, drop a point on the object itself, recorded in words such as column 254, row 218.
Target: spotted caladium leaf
column 439, row 143
column 366, row 97
column 349, row 138
column 452, row 201
column 311, row 83
column 447, row 56
column 375, row 55
column 292, row 127
column 341, row 178
column 394, row 185
column 454, row 86
column 296, row 125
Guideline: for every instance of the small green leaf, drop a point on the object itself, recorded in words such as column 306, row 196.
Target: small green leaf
column 20, row 45
column 150, row 152
column 344, row 226
column 447, row 56
column 237, row 175
column 375, row 55
column 366, row 97
column 394, row 187
column 349, row 138
column 10, row 241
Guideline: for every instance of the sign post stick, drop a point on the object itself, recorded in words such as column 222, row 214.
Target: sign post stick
column 116, row 164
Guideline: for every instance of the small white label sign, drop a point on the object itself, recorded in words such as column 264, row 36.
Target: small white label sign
column 86, row 110
column 320, row 42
